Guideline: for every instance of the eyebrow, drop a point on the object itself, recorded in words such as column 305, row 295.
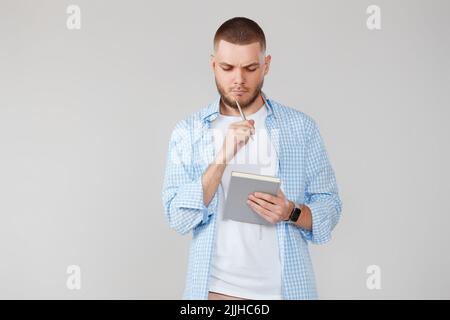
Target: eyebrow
column 248, row 65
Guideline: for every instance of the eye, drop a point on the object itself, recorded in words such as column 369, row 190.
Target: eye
column 226, row 69
column 251, row 70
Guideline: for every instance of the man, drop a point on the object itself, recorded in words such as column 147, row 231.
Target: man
column 235, row 260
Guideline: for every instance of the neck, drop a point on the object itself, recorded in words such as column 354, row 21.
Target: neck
column 234, row 111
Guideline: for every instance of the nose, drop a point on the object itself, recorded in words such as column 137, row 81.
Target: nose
column 239, row 77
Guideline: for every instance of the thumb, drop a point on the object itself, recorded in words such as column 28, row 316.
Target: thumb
column 252, row 122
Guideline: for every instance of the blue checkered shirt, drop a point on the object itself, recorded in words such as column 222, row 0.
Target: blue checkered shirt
column 306, row 177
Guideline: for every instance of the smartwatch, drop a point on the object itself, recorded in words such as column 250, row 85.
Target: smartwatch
column 295, row 214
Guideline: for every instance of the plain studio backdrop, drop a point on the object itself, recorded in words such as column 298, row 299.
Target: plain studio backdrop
column 86, row 116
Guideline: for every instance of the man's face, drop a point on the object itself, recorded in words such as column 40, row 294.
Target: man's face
column 239, row 72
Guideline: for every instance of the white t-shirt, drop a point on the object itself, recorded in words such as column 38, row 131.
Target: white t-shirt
column 246, row 260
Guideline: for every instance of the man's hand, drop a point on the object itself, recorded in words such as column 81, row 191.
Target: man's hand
column 237, row 136
column 271, row 208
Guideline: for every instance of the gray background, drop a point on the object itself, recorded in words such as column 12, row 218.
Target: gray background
column 86, row 116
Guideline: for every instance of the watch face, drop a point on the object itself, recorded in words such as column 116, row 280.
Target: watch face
column 295, row 214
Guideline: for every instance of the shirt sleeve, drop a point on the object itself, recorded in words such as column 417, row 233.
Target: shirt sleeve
column 321, row 194
column 182, row 192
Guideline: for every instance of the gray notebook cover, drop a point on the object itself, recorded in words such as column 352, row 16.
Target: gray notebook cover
column 241, row 185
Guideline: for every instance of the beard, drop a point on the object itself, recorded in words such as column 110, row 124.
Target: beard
column 229, row 100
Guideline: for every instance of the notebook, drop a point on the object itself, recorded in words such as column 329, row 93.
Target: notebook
column 241, row 185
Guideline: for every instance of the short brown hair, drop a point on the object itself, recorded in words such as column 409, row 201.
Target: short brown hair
column 240, row 30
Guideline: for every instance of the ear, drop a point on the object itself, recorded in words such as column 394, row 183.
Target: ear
column 267, row 61
column 212, row 61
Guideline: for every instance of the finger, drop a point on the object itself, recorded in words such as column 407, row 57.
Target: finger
column 268, row 197
column 280, row 193
column 242, row 123
column 242, row 130
column 263, row 203
column 241, row 138
column 264, row 213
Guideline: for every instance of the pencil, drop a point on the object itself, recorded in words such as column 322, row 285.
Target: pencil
column 242, row 115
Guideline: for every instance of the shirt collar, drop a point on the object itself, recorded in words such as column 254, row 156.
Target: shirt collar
column 212, row 111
